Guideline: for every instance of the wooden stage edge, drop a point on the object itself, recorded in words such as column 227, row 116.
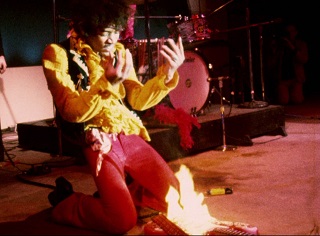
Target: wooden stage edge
column 241, row 125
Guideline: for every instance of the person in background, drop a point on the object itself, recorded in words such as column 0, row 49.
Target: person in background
column 3, row 63
column 92, row 79
column 290, row 54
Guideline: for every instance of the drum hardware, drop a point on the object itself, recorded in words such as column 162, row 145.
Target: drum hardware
column 219, row 78
column 261, row 62
column 147, row 18
column 190, row 29
column 214, row 89
column 139, row 52
column 179, row 17
column 62, row 18
column 147, row 32
column 275, row 21
column 224, row 147
column 219, row 8
column 253, row 103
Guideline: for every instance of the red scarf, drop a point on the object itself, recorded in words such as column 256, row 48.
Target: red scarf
column 183, row 120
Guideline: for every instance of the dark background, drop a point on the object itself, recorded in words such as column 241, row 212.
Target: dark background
column 27, row 26
column 305, row 14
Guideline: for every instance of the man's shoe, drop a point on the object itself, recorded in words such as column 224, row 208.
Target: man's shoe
column 62, row 191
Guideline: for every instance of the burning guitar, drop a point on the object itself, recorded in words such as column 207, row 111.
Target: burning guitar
column 160, row 225
column 187, row 215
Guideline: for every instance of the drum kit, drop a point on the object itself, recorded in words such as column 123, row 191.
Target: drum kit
column 194, row 88
column 193, row 82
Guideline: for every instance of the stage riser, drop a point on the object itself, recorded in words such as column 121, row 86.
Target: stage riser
column 239, row 129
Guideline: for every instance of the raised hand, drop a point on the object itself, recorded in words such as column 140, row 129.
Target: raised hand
column 174, row 56
column 117, row 69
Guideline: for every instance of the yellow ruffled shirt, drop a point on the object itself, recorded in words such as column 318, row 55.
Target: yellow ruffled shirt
column 101, row 106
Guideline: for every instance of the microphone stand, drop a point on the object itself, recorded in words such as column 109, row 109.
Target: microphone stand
column 147, row 32
column 224, row 146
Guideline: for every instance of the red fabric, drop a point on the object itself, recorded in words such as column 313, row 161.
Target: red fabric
column 128, row 32
column 183, row 120
column 115, row 211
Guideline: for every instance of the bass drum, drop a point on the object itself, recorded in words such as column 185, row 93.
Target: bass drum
column 192, row 91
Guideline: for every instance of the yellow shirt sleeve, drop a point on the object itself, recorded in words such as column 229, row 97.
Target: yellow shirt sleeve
column 73, row 106
column 144, row 96
column 101, row 105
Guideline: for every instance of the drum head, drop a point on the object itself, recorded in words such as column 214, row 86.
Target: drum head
column 192, row 91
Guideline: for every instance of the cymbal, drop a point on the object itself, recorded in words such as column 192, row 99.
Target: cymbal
column 137, row 2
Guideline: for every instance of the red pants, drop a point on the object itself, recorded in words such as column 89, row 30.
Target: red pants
column 115, row 211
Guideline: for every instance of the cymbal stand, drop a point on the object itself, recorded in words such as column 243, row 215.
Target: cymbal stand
column 147, row 32
column 253, row 103
column 219, row 8
column 261, row 62
column 147, row 18
column 224, row 146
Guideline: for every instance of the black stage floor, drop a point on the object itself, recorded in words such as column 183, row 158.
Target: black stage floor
column 241, row 125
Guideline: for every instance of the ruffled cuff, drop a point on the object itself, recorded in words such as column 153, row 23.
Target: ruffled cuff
column 162, row 79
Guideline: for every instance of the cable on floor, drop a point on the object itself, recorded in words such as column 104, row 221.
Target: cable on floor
column 21, row 178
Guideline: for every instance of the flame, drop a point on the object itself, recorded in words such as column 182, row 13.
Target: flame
column 187, row 209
